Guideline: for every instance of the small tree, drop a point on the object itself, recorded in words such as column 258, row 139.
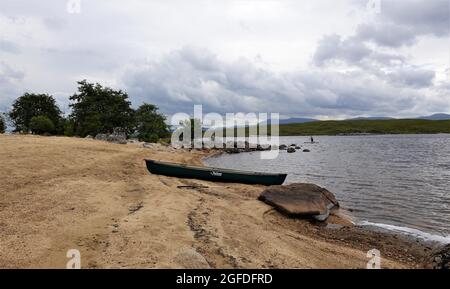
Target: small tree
column 30, row 105
column 41, row 125
column 2, row 124
column 150, row 125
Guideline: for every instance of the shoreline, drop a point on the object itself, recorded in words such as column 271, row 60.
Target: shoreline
column 409, row 233
column 61, row 193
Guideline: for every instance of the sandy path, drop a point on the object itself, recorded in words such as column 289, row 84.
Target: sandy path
column 59, row 193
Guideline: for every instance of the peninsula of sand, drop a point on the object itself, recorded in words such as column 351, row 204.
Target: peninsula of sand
column 59, row 193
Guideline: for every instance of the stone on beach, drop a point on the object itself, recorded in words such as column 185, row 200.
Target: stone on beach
column 439, row 259
column 297, row 200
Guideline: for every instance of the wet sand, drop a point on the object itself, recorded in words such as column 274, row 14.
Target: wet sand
column 60, row 193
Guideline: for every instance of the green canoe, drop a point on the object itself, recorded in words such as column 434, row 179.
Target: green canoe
column 213, row 174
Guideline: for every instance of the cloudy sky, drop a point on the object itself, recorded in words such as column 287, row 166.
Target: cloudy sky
column 317, row 58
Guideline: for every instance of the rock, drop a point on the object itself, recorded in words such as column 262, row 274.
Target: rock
column 291, row 150
column 306, row 151
column 293, row 145
column 189, row 258
column 300, row 200
column 282, row 147
column 101, row 136
column 439, row 258
column 117, row 138
column 88, row 137
column 297, row 147
column 232, row 151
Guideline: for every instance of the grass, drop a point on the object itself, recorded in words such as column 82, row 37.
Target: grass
column 395, row 126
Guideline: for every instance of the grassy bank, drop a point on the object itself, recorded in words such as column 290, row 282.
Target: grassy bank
column 396, row 126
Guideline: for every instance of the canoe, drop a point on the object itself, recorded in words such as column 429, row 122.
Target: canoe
column 213, row 174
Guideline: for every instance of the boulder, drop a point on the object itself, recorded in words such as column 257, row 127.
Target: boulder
column 306, row 151
column 282, row 147
column 291, row 150
column 300, row 200
column 439, row 258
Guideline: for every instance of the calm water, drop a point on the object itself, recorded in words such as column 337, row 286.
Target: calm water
column 398, row 183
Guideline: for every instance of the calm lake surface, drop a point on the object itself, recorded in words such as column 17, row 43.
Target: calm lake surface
column 393, row 182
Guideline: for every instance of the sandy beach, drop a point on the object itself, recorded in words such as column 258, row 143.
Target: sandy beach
column 60, row 193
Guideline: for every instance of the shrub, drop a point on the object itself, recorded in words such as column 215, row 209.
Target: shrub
column 2, row 125
column 41, row 125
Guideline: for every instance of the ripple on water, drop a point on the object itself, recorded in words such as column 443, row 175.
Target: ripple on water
column 396, row 182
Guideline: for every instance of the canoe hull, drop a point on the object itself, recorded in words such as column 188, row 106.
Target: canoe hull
column 213, row 174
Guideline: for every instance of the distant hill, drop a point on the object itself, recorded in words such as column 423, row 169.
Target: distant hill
column 437, row 116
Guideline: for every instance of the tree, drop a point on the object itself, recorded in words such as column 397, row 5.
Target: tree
column 97, row 109
column 30, row 105
column 150, row 125
column 41, row 125
column 2, row 124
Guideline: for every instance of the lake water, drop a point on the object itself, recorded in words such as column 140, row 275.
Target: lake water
column 394, row 182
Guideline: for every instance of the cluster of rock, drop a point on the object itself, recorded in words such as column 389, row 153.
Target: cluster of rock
column 246, row 147
column 300, row 200
column 439, row 259
column 116, row 137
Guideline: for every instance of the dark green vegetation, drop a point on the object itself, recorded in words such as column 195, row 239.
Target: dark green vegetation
column 41, row 125
column 95, row 109
column 31, row 105
column 394, row 126
column 2, row 124
column 150, row 125
column 348, row 127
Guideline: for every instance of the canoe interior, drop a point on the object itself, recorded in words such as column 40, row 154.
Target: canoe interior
column 214, row 174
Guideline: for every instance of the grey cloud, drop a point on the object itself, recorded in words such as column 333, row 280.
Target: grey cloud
column 9, row 82
column 402, row 22
column 186, row 77
column 8, row 46
column 387, row 34
column 417, row 78
column 352, row 51
column 427, row 17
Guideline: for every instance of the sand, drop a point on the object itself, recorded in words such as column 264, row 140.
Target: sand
column 60, row 193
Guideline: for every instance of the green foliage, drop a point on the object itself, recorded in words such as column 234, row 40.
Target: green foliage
column 41, row 125
column 345, row 127
column 97, row 109
column 150, row 125
column 396, row 126
column 2, row 125
column 30, row 105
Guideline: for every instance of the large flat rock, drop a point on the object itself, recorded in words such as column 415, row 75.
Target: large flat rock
column 300, row 200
